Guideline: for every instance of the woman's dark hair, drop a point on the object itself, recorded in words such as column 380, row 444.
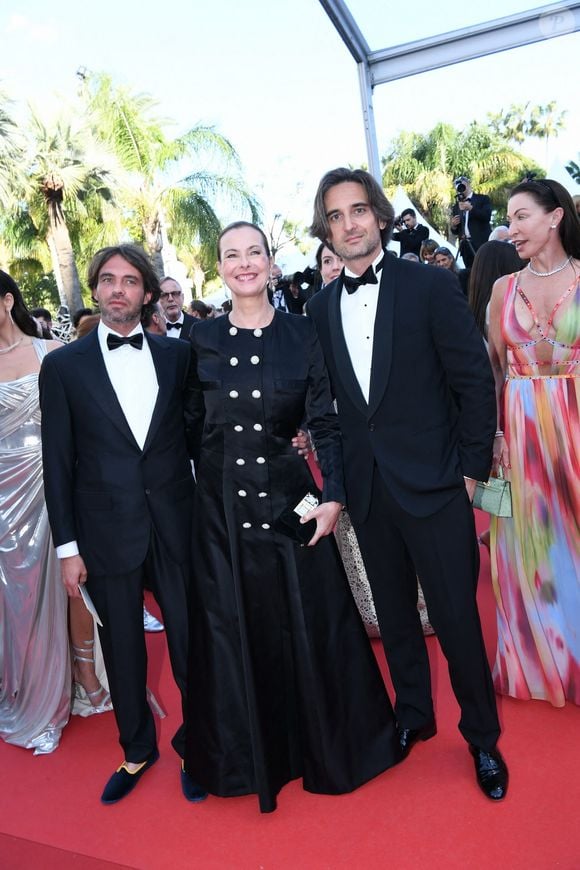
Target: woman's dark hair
column 550, row 194
column 318, row 255
column 447, row 253
column 20, row 314
column 78, row 316
column 236, row 226
column 492, row 261
column 200, row 307
column 380, row 205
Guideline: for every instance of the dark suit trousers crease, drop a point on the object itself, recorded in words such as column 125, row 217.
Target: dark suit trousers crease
column 443, row 550
column 118, row 599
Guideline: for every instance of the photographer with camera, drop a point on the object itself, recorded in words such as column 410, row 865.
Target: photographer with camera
column 409, row 233
column 471, row 215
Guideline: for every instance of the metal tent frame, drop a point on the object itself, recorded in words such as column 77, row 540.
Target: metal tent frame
column 446, row 49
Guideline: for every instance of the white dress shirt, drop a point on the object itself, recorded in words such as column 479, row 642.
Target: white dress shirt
column 358, row 311
column 134, row 380
column 174, row 333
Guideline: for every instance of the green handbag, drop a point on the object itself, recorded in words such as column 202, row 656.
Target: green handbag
column 494, row 496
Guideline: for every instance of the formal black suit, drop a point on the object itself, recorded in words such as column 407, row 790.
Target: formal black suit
column 129, row 509
column 188, row 322
column 430, row 419
column 478, row 226
column 411, row 240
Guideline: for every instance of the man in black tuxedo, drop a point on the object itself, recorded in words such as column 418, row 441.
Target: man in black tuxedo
column 471, row 215
column 119, row 490
column 416, row 404
column 179, row 322
column 410, row 234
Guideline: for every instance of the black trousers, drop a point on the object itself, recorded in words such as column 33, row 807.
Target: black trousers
column 442, row 549
column 118, row 599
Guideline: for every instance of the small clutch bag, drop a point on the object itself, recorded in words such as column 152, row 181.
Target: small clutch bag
column 288, row 523
column 494, row 496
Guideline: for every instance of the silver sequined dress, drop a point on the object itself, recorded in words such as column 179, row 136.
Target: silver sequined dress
column 35, row 671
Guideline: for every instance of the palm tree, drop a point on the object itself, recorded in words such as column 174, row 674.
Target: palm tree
column 573, row 170
column 174, row 189
column 426, row 164
column 511, row 123
column 546, row 122
column 69, row 187
column 10, row 154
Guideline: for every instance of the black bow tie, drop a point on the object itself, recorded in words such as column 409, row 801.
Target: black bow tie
column 177, row 325
column 115, row 341
column 351, row 284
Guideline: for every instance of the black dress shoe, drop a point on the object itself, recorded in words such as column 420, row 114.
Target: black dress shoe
column 191, row 791
column 491, row 771
column 122, row 781
column 409, row 736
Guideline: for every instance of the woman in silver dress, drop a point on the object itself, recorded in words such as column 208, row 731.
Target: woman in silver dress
column 35, row 667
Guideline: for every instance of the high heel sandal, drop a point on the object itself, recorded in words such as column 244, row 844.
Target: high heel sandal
column 104, row 704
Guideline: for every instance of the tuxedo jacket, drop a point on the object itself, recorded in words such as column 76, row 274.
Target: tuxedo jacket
column 431, row 414
column 479, row 219
column 411, row 240
column 101, row 488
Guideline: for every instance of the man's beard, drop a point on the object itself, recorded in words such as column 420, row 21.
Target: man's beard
column 111, row 315
column 370, row 246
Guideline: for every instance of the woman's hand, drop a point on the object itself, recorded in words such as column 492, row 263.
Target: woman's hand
column 326, row 516
column 501, row 454
column 73, row 573
column 303, row 443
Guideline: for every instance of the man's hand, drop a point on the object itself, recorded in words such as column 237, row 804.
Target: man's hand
column 302, row 443
column 465, row 205
column 326, row 516
column 470, row 487
column 455, row 220
column 73, row 572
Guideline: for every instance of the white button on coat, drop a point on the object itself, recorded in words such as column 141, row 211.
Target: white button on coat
column 233, row 360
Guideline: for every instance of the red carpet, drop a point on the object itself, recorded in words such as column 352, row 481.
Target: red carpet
column 426, row 813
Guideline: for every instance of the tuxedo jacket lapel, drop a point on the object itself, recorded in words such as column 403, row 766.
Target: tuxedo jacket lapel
column 162, row 360
column 341, row 355
column 383, row 335
column 93, row 373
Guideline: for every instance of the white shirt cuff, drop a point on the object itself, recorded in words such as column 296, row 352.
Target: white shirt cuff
column 69, row 549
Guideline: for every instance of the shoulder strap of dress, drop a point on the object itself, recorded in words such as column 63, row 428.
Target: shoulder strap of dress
column 39, row 345
column 509, row 294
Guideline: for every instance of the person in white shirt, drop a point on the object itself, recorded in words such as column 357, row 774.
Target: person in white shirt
column 178, row 321
column 119, row 491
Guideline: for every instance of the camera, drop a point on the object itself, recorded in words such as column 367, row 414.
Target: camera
column 460, row 189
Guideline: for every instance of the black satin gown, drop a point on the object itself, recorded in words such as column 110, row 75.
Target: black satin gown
column 283, row 682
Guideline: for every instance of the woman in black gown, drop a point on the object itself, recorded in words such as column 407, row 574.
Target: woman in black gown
column 283, row 681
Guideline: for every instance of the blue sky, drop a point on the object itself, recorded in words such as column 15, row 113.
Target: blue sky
column 276, row 79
